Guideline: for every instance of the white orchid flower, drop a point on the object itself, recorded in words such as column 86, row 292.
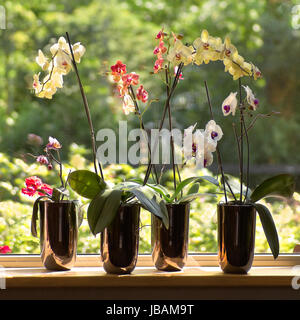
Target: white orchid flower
column 229, row 104
column 213, row 131
column 208, row 159
column 252, row 101
column 193, row 143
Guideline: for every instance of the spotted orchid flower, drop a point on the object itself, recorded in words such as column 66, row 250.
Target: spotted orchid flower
column 36, row 83
column 180, row 53
column 237, row 66
column 229, row 104
column 207, row 48
column 130, row 79
column 118, row 70
column 229, row 49
column 213, row 133
column 142, row 94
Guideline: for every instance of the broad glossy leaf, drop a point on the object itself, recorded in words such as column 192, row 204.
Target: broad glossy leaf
column 126, row 185
column 269, row 228
column 161, row 190
column 34, row 217
column 86, row 183
column 58, row 192
column 152, row 203
column 187, row 181
column 193, row 189
column 103, row 209
column 79, row 212
column 280, row 185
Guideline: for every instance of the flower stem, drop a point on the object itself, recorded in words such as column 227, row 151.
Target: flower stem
column 87, row 111
column 170, row 128
column 217, row 148
column 137, row 111
column 248, row 160
column 242, row 142
column 175, row 82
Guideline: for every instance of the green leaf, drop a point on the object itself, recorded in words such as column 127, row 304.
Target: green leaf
column 55, row 195
column 34, row 216
column 79, row 212
column 103, row 209
column 148, row 200
column 192, row 196
column 58, row 192
column 194, row 188
column 161, row 190
column 126, row 185
column 86, row 183
column 269, row 228
column 187, row 181
column 280, row 185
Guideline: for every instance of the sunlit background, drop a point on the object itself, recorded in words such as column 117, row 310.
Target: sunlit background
column 265, row 32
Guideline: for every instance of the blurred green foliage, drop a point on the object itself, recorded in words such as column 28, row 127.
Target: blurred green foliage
column 266, row 32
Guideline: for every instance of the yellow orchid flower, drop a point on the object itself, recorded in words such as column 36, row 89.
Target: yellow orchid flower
column 63, row 62
column 207, row 48
column 256, row 72
column 59, row 65
column 42, row 61
column 36, row 83
column 229, row 49
column 180, row 53
column 237, row 66
column 78, row 51
column 60, row 45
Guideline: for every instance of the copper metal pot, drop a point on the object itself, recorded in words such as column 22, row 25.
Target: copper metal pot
column 236, row 237
column 120, row 241
column 170, row 246
column 58, row 234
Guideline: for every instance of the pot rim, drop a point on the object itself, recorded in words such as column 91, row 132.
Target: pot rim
column 233, row 204
column 60, row 201
column 178, row 204
column 130, row 205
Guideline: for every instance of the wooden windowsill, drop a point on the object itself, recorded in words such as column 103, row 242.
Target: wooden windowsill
column 94, row 277
column 201, row 279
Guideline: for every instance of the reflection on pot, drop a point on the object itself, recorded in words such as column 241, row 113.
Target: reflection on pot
column 58, row 234
column 236, row 237
column 120, row 241
column 170, row 247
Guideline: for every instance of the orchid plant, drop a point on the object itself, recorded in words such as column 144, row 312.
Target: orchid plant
column 206, row 49
column 171, row 53
column 35, row 186
column 105, row 199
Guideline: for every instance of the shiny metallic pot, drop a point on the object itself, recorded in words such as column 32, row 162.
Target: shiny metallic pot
column 170, row 246
column 58, row 234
